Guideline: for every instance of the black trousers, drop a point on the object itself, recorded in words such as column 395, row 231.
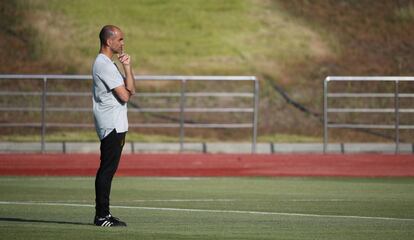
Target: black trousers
column 111, row 149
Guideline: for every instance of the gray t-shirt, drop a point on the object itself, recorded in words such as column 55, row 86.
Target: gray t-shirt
column 109, row 113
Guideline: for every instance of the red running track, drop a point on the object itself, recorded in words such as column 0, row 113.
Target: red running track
column 195, row 165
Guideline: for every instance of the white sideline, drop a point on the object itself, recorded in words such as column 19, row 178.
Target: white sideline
column 208, row 211
column 183, row 200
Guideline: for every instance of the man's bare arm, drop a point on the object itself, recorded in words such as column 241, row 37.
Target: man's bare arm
column 125, row 92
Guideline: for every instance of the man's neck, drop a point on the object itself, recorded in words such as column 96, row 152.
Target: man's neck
column 107, row 52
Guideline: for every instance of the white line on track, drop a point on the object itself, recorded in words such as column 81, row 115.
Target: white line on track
column 209, row 211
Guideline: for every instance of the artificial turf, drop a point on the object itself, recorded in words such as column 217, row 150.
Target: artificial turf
column 210, row 208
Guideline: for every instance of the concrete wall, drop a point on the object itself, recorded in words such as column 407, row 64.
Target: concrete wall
column 216, row 147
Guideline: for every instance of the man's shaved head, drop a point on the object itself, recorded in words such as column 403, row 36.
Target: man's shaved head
column 107, row 32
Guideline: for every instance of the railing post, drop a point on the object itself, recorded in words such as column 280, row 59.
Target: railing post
column 325, row 114
column 255, row 114
column 43, row 131
column 397, row 118
column 182, row 109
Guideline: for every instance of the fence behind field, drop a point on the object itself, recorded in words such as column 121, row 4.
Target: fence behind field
column 396, row 94
column 38, row 91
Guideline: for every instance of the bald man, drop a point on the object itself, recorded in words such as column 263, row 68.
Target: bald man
column 111, row 92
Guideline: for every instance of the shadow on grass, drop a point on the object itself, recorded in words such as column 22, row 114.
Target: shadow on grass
column 42, row 221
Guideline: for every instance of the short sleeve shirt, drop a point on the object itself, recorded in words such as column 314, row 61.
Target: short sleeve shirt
column 109, row 112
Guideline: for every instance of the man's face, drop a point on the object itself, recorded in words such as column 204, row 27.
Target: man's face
column 116, row 42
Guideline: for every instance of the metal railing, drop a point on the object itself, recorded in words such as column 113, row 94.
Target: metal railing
column 181, row 110
column 396, row 110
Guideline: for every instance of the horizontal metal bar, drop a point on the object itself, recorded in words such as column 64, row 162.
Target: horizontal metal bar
column 192, row 110
column 153, row 110
column 44, row 76
column 405, row 95
column 66, row 109
column 70, row 125
column 192, row 125
column 20, row 109
column 171, row 110
column 365, row 78
column 406, row 110
column 199, row 110
column 49, row 109
column 369, row 95
column 20, row 124
column 363, row 110
column 69, row 94
column 65, row 125
column 220, row 125
column 219, row 94
column 11, row 93
column 196, row 78
column 157, row 95
column 77, row 94
column 196, row 94
column 135, row 125
column 87, row 94
column 370, row 126
column 137, row 77
column 154, row 125
column 222, row 110
column 368, row 110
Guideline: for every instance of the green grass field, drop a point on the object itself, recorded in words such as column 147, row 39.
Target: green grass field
column 211, row 208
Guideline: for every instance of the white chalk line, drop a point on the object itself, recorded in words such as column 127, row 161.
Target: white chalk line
column 204, row 200
column 210, row 211
column 183, row 200
column 142, row 200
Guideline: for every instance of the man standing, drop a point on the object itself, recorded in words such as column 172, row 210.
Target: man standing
column 111, row 92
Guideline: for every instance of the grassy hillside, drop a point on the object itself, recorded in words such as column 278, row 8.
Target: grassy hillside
column 374, row 38
column 173, row 37
column 290, row 45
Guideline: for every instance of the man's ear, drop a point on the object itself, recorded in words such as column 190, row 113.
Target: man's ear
column 109, row 42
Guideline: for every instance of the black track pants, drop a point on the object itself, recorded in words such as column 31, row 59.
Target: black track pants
column 111, row 149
